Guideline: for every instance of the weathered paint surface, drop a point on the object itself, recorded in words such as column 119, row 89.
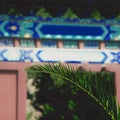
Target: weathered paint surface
column 57, row 28
column 13, row 91
column 13, row 54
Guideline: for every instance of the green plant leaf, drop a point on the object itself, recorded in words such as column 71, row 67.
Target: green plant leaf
column 101, row 89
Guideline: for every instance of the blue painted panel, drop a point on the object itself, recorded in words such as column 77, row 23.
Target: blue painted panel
column 72, row 30
column 57, row 28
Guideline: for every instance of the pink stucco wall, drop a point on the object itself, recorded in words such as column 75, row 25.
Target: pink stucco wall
column 14, row 74
column 12, row 91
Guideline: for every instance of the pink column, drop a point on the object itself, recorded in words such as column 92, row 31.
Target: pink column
column 60, row 44
column 38, row 43
column 102, row 45
column 80, row 44
column 117, row 82
column 16, row 42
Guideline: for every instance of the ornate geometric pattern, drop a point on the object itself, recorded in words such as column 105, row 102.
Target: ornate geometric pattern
column 2, row 57
column 59, row 55
column 59, row 20
column 25, row 55
column 116, row 57
column 57, row 28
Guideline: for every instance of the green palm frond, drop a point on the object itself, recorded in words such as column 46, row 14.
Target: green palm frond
column 101, row 92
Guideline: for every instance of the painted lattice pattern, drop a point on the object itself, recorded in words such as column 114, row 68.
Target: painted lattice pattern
column 59, row 55
column 56, row 28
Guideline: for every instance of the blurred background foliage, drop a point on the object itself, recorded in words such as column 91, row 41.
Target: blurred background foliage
column 58, row 99
column 69, row 13
column 57, row 8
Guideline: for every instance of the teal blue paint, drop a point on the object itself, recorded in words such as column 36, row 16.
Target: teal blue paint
column 58, row 28
column 26, row 29
column 116, row 32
